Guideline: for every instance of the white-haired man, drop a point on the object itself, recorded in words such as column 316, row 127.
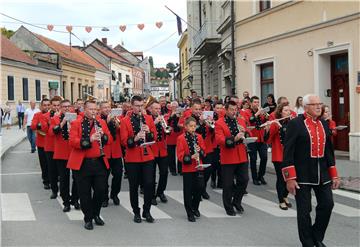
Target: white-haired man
column 309, row 163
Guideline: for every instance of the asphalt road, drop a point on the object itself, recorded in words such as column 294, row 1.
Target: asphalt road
column 30, row 218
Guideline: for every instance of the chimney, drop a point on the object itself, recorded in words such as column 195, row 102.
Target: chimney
column 104, row 40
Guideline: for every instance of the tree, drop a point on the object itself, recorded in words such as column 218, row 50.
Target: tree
column 151, row 62
column 171, row 67
column 7, row 33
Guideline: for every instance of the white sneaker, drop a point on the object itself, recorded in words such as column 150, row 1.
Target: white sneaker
column 269, row 150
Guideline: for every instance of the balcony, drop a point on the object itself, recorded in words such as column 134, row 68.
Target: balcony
column 207, row 40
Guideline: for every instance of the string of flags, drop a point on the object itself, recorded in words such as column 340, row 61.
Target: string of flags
column 122, row 28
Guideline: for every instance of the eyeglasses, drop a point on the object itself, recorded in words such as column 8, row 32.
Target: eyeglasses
column 138, row 105
column 316, row 104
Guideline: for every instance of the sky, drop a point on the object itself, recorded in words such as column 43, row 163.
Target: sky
column 160, row 43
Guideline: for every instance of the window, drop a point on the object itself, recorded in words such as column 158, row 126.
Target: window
column 266, row 80
column 182, row 61
column 119, row 77
column 63, row 89
column 25, row 89
column 113, row 75
column 91, row 90
column 128, row 79
column 38, row 90
column 72, row 92
column 84, row 92
column 79, row 91
column 264, row 5
column 10, row 87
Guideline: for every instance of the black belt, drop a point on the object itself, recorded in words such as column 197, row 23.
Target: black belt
column 93, row 159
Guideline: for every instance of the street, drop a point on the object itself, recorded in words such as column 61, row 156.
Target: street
column 29, row 217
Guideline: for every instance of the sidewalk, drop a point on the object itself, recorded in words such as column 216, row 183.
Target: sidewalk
column 10, row 138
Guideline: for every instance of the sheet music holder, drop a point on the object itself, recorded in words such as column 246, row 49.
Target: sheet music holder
column 115, row 112
column 146, row 144
column 201, row 166
column 70, row 116
column 340, row 127
column 250, row 140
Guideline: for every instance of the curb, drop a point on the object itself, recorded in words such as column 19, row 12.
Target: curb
column 12, row 147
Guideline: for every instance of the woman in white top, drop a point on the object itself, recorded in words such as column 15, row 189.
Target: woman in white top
column 299, row 109
column 7, row 115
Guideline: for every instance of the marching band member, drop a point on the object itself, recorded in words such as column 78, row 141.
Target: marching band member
column 136, row 129
column 282, row 100
column 326, row 115
column 309, row 164
column 59, row 127
column 230, row 133
column 160, row 153
column 275, row 135
column 173, row 119
column 191, row 151
column 88, row 136
column 162, row 101
column 257, row 116
column 113, row 153
column 49, row 146
column 38, row 124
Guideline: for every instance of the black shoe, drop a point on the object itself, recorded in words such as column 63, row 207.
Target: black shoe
column 219, row 185
column 33, row 151
column 116, row 200
column 53, row 195
column 231, row 212
column 148, row 217
column 239, row 208
column 76, row 205
column 319, row 244
column 46, row 186
column 288, row 204
column 154, row 202
column 245, row 192
column 205, row 195
column 174, row 173
column 191, row 218
column 66, row 208
column 196, row 213
column 125, row 175
column 99, row 221
column 89, row 225
column 262, row 180
column 142, row 191
column 163, row 198
column 213, row 184
column 105, row 204
column 137, row 218
column 256, row 182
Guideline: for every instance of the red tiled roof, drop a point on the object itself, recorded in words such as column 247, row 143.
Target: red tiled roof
column 72, row 54
column 12, row 52
column 137, row 53
column 109, row 53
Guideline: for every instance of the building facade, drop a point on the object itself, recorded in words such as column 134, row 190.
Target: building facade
column 292, row 48
column 138, row 80
column 185, row 83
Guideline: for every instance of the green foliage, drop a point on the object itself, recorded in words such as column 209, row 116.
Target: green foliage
column 7, row 33
column 171, row 67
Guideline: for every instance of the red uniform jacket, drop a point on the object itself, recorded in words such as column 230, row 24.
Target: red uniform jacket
column 175, row 132
column 39, row 124
column 182, row 150
column 277, row 148
column 229, row 155
column 62, row 148
column 256, row 122
column 136, row 154
column 78, row 154
column 160, row 148
column 49, row 140
column 114, row 149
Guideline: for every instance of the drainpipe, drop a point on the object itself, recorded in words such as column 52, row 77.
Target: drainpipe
column 233, row 83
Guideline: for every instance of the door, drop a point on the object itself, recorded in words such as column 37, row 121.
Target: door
column 340, row 99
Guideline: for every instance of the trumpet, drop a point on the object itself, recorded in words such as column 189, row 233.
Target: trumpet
column 211, row 123
column 97, row 129
column 141, row 129
column 166, row 128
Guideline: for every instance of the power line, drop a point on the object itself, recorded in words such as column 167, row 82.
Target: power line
column 167, row 38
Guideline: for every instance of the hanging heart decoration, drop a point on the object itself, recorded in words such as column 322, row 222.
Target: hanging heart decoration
column 141, row 26
column 122, row 28
column 159, row 24
column 69, row 28
column 50, row 27
column 88, row 29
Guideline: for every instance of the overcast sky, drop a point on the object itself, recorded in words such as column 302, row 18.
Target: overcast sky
column 107, row 13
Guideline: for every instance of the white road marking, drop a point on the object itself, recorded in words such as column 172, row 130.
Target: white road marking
column 16, row 207
column 73, row 214
column 348, row 194
column 20, row 173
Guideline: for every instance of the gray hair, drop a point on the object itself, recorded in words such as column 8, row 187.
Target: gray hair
column 174, row 103
column 306, row 98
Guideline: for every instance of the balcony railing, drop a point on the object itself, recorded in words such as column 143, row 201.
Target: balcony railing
column 207, row 33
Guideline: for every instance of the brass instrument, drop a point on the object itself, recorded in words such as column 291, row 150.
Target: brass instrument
column 211, row 123
column 149, row 101
column 141, row 129
column 166, row 128
column 97, row 129
column 198, row 165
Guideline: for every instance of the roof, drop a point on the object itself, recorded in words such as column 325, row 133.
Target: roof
column 12, row 52
column 137, row 53
column 111, row 54
column 72, row 54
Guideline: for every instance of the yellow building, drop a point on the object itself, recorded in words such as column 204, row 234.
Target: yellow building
column 22, row 79
column 185, row 80
column 292, row 48
column 78, row 68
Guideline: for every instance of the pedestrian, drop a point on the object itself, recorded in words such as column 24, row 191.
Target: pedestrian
column 299, row 109
column 20, row 110
column 31, row 134
column 270, row 102
column 88, row 135
column 7, row 115
column 309, row 164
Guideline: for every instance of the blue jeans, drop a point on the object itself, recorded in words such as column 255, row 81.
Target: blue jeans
column 31, row 137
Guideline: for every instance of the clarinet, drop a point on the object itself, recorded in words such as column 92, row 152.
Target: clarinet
column 97, row 129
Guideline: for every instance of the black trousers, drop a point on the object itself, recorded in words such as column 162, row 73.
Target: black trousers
column 53, row 172
column 209, row 159
column 233, row 195
column 171, row 149
column 145, row 173
column 43, row 166
column 116, row 169
column 309, row 232
column 193, row 186
column 216, row 171
column 91, row 176
column 162, row 163
column 261, row 148
column 21, row 119
column 64, row 174
column 281, row 190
